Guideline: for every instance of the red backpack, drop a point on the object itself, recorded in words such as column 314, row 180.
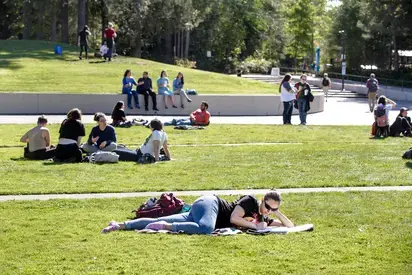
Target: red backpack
column 166, row 205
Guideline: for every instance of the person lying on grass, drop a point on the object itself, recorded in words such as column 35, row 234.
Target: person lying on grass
column 200, row 117
column 212, row 212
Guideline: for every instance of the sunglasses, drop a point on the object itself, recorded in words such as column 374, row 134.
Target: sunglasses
column 267, row 206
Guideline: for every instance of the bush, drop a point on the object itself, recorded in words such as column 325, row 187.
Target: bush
column 255, row 65
column 185, row 63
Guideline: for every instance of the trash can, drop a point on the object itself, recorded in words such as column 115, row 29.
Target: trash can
column 58, row 50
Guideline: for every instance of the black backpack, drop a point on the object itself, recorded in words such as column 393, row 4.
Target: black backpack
column 407, row 154
column 325, row 82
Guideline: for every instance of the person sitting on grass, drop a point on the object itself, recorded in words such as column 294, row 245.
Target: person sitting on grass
column 120, row 120
column 402, row 125
column 151, row 147
column 178, row 84
column 212, row 212
column 38, row 141
column 163, row 89
column 128, row 82
column 71, row 133
column 200, row 117
column 102, row 137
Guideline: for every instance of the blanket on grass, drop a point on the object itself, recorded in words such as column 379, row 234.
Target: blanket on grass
column 229, row 231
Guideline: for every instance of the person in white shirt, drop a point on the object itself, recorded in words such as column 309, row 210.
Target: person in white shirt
column 103, row 50
column 156, row 141
column 287, row 96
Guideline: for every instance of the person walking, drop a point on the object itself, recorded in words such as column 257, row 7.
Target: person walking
column 373, row 87
column 287, row 96
column 326, row 84
column 109, row 35
column 83, row 41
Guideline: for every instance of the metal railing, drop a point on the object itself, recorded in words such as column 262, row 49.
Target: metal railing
column 352, row 79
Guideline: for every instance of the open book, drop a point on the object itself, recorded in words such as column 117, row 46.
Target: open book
column 285, row 230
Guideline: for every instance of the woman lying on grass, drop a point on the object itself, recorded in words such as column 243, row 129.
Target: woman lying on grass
column 212, row 212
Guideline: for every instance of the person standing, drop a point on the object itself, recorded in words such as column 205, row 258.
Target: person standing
column 287, row 96
column 109, row 35
column 326, row 84
column 145, row 88
column 373, row 87
column 38, row 141
column 303, row 98
column 83, row 41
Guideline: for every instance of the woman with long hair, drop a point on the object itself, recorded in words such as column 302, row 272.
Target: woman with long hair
column 212, row 212
column 128, row 82
column 163, row 89
column 178, row 84
column 287, row 96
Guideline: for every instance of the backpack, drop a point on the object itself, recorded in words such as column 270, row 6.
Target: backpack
column 325, row 82
column 373, row 85
column 166, row 205
column 407, row 154
column 104, row 157
column 381, row 119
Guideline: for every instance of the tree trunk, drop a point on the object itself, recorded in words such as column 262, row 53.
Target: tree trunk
column 182, row 45
column 64, row 18
column 87, row 13
column 53, row 22
column 168, row 43
column 187, row 44
column 104, row 20
column 27, row 12
column 40, row 22
column 178, row 45
column 81, row 15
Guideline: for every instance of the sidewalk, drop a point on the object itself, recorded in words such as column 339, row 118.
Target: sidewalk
column 338, row 111
column 201, row 193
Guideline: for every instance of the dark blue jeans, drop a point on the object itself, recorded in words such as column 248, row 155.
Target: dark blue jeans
column 302, row 110
column 131, row 94
column 287, row 112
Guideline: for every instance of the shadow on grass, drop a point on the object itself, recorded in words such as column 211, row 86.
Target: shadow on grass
column 20, row 159
column 97, row 62
column 408, row 164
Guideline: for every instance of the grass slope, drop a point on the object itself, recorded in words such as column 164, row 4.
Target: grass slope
column 313, row 156
column 31, row 66
column 355, row 233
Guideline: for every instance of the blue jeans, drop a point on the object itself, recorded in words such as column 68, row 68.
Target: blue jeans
column 200, row 220
column 131, row 94
column 287, row 112
column 302, row 110
column 178, row 122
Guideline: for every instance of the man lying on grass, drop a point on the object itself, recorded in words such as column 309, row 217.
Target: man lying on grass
column 212, row 212
column 199, row 117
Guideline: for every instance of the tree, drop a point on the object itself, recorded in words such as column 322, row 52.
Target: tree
column 81, row 14
column 64, row 18
column 27, row 15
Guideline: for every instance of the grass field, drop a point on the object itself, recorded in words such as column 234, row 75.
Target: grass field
column 308, row 157
column 355, row 233
column 31, row 66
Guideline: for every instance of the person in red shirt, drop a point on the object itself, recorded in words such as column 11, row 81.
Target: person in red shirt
column 200, row 117
column 109, row 35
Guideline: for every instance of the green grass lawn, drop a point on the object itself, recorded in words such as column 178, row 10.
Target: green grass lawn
column 312, row 156
column 355, row 233
column 31, row 66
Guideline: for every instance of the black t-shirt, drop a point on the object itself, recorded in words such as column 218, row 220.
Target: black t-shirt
column 72, row 129
column 118, row 116
column 249, row 204
column 83, row 36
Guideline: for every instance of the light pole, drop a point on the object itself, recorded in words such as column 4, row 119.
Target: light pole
column 342, row 33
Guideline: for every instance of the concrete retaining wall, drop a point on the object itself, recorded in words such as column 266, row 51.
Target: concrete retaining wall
column 219, row 105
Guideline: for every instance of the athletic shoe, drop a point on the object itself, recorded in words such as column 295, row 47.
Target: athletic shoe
column 113, row 226
column 155, row 109
column 156, row 225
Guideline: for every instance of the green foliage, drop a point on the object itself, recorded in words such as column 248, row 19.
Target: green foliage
column 255, row 65
column 185, row 63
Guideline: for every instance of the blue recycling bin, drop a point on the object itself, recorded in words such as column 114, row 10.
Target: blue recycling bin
column 58, row 50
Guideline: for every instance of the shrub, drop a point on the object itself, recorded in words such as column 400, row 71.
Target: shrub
column 185, row 63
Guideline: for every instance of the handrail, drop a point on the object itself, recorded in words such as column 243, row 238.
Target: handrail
column 350, row 77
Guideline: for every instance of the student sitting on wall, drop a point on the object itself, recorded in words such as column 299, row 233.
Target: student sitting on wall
column 38, row 141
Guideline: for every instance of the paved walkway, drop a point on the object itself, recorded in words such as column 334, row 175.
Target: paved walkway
column 201, row 193
column 338, row 111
